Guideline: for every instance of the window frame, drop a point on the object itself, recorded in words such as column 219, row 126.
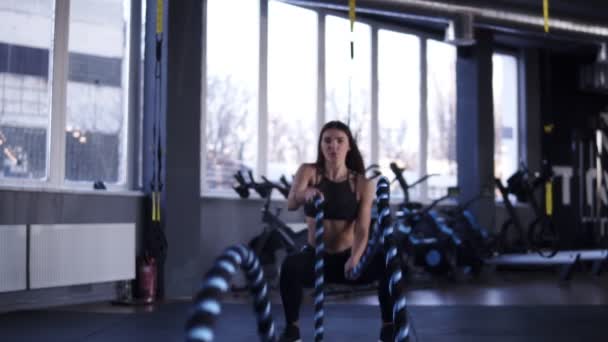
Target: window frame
column 375, row 27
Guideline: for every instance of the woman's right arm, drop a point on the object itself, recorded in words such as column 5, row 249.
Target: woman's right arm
column 297, row 192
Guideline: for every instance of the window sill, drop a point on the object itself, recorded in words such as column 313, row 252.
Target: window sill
column 227, row 195
column 69, row 190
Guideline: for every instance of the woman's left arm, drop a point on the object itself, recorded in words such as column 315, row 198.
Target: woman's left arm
column 363, row 219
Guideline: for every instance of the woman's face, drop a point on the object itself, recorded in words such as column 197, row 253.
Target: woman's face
column 334, row 145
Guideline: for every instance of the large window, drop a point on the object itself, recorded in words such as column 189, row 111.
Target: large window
column 232, row 90
column 399, row 104
column 25, row 52
column 348, row 82
column 292, row 84
column 88, row 107
column 96, row 122
column 504, row 88
column 441, row 100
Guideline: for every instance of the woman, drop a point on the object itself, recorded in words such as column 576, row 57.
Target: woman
column 338, row 176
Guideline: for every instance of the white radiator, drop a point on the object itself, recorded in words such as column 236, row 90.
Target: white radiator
column 13, row 241
column 72, row 254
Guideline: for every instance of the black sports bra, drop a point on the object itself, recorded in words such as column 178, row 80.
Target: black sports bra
column 340, row 201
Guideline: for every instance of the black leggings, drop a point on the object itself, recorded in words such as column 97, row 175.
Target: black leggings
column 297, row 272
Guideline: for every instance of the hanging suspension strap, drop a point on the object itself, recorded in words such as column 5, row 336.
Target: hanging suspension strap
column 352, row 17
column 546, row 14
column 155, row 242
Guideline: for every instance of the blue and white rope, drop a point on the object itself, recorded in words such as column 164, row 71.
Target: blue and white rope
column 385, row 234
column 375, row 241
column 393, row 263
column 443, row 228
column 216, row 282
column 319, row 267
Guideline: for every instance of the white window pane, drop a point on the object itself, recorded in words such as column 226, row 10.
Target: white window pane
column 441, row 104
column 292, row 88
column 25, row 50
column 232, row 90
column 96, row 122
column 399, row 104
column 348, row 82
column 504, row 89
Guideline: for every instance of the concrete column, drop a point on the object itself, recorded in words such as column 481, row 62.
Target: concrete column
column 475, row 125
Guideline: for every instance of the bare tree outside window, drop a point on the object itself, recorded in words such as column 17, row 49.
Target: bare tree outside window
column 232, row 76
column 506, row 115
column 229, row 132
column 441, row 85
column 359, row 119
column 399, row 104
column 292, row 88
column 348, row 81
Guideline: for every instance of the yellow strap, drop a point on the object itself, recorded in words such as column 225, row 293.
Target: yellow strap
column 351, row 14
column 153, row 206
column 549, row 198
column 546, row 14
column 159, row 16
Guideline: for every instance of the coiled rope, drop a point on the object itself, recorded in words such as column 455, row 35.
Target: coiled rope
column 216, row 282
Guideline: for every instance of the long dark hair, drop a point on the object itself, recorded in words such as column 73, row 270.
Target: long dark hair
column 354, row 160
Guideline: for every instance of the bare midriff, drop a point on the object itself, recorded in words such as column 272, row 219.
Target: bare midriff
column 338, row 234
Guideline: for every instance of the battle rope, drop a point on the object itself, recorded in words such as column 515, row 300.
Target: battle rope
column 396, row 284
column 393, row 262
column 216, row 282
column 319, row 266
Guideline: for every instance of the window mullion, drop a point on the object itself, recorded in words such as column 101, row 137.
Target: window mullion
column 424, row 118
column 263, row 91
column 204, row 185
column 56, row 160
column 131, row 79
column 375, row 125
column 321, row 85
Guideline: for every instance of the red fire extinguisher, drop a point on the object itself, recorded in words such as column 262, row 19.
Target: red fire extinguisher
column 147, row 278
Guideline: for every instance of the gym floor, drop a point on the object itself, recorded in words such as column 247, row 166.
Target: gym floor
column 523, row 306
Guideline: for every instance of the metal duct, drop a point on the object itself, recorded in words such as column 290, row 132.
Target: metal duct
column 460, row 31
column 484, row 16
column 602, row 54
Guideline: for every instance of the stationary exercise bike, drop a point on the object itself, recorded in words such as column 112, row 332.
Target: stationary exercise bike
column 540, row 235
column 421, row 230
column 428, row 243
column 477, row 243
column 276, row 235
column 405, row 187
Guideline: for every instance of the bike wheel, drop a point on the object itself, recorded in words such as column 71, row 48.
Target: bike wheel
column 543, row 237
column 511, row 239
